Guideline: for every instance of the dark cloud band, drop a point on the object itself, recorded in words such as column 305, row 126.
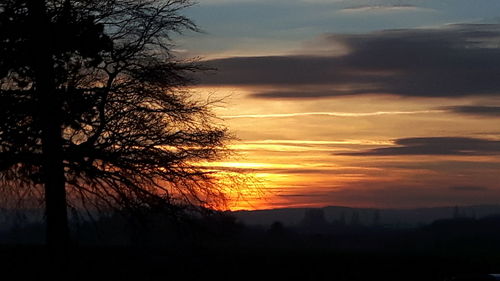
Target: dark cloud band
column 454, row 61
column 468, row 188
column 481, row 111
column 435, row 146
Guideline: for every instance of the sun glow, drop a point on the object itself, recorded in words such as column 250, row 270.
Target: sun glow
column 245, row 165
column 308, row 152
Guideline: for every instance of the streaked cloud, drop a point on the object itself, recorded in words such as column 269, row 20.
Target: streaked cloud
column 383, row 9
column 277, row 147
column 435, row 146
column 469, row 188
column 452, row 61
column 475, row 110
column 332, row 114
column 303, row 145
column 323, row 142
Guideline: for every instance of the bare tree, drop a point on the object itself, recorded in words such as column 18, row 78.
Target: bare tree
column 94, row 110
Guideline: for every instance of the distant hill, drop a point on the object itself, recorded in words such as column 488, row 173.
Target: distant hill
column 368, row 216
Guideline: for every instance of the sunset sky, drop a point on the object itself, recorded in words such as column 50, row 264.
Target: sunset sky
column 360, row 103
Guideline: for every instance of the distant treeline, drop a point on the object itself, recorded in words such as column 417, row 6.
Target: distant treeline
column 217, row 244
column 394, row 218
column 215, row 229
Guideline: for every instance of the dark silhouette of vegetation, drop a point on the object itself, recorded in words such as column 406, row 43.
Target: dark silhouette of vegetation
column 94, row 110
column 451, row 249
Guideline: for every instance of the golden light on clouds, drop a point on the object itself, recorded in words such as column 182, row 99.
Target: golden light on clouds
column 333, row 114
column 361, row 104
column 314, row 152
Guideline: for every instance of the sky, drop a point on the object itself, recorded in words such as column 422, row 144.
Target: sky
column 381, row 103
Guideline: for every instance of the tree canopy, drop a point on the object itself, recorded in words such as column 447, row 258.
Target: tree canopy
column 92, row 99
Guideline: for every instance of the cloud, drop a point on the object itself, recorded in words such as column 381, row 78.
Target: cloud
column 303, row 195
column 452, row 61
column 476, row 110
column 435, row 146
column 332, row 114
column 381, row 9
column 443, row 166
column 468, row 188
column 399, row 195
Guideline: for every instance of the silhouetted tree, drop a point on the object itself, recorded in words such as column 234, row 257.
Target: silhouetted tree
column 456, row 212
column 94, row 111
column 355, row 218
column 376, row 217
column 314, row 219
column 276, row 229
column 342, row 219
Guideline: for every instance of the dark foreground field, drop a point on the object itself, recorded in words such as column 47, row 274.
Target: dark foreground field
column 223, row 249
column 239, row 263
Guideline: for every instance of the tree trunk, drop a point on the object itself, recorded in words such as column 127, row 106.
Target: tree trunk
column 54, row 180
column 51, row 138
